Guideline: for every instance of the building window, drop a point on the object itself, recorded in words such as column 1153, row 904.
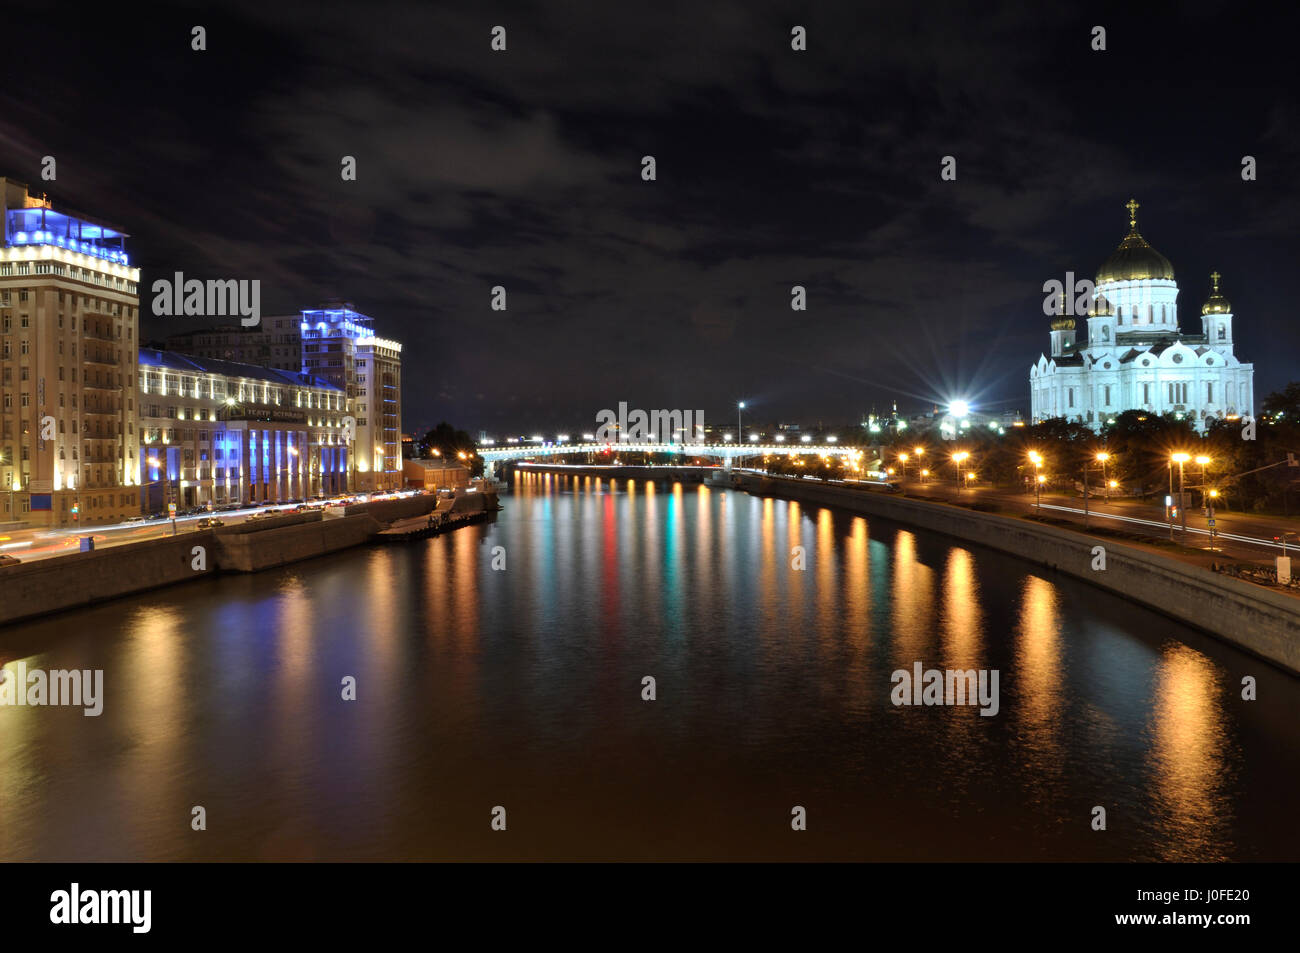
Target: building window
column 1107, row 402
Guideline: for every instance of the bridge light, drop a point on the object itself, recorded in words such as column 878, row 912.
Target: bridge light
column 830, row 439
column 959, row 408
column 806, row 439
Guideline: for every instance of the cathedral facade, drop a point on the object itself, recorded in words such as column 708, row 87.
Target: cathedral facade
column 1136, row 355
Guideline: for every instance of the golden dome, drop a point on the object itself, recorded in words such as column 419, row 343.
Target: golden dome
column 1217, row 304
column 1062, row 321
column 1134, row 259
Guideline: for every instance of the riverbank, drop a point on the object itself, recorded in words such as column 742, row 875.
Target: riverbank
column 46, row 586
column 1264, row 623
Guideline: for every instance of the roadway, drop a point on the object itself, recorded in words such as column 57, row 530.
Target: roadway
column 29, row 545
column 1241, row 535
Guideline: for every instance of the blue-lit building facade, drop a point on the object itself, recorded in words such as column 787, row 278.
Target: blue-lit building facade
column 215, row 431
column 339, row 344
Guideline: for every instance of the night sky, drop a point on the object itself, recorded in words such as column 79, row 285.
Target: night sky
column 775, row 168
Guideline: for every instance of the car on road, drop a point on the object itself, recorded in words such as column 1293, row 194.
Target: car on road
column 7, row 560
column 210, row 522
column 134, row 519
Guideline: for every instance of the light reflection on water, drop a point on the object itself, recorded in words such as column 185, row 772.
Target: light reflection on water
column 522, row 687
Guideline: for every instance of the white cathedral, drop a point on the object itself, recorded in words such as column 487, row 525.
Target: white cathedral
column 1136, row 356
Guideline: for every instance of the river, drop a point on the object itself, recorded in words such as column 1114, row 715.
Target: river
column 504, row 666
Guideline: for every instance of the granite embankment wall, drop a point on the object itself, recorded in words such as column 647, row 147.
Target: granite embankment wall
column 1258, row 620
column 78, row 579
column 276, row 546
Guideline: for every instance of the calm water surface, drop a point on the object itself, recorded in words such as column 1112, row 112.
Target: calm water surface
column 522, row 688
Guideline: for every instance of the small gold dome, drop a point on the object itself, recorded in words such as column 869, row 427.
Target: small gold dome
column 1135, row 259
column 1063, row 324
column 1217, row 304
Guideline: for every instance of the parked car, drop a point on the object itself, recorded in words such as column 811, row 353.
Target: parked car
column 210, row 522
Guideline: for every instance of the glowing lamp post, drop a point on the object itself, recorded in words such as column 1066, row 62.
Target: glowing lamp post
column 1036, row 459
column 960, row 457
column 1180, row 459
column 1203, row 461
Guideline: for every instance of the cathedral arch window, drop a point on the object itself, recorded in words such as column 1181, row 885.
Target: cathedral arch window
column 1223, row 333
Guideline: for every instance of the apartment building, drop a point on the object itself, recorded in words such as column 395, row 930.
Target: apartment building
column 69, row 320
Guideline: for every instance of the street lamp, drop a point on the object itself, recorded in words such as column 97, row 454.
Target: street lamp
column 1102, row 458
column 1036, row 459
column 1203, row 461
column 902, row 461
column 1180, row 459
column 960, row 457
column 167, row 487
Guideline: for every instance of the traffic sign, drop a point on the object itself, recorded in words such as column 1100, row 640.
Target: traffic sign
column 1212, row 523
column 171, row 510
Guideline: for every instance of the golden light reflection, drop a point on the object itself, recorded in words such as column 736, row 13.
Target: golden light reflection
column 828, row 609
column 913, row 602
column 857, row 583
column 1039, row 671
column 962, row 626
column 1188, row 726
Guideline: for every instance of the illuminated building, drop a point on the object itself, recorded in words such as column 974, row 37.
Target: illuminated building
column 69, row 318
column 1137, row 356
column 339, row 345
column 275, row 342
column 215, row 431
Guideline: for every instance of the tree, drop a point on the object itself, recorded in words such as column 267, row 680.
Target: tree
column 450, row 444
